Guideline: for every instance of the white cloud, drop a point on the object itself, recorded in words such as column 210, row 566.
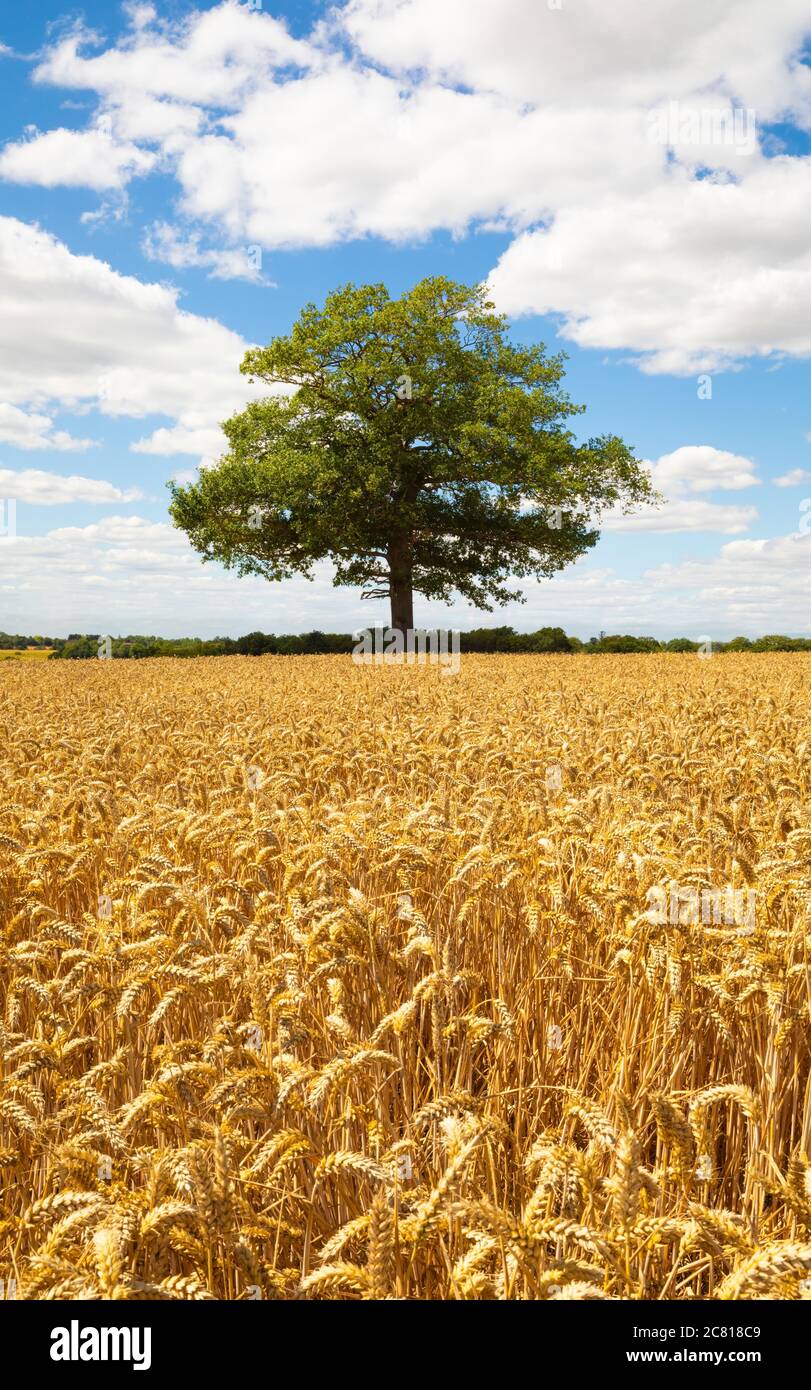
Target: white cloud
column 113, row 576
column 185, row 476
column 75, row 333
column 397, row 117
column 682, row 514
column 690, row 276
column 74, row 159
column 23, row 430
column 329, row 148
column 678, row 477
column 203, row 442
column 753, row 586
column 211, row 58
column 749, row 587
column 793, row 478
column 162, row 242
column 41, row 489
column 702, row 468
column 375, row 156
column 593, row 54
column 139, row 14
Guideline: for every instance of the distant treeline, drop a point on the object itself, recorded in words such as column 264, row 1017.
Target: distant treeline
column 83, row 646
column 7, row 642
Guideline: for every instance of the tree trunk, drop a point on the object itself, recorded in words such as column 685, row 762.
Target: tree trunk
column 400, row 587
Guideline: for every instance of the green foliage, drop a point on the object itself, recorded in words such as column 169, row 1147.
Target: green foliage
column 81, row 648
column 681, row 644
column 493, row 639
column 628, row 644
column 412, row 445
column 14, row 642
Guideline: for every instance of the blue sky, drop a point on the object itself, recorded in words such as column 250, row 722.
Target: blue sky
column 635, row 195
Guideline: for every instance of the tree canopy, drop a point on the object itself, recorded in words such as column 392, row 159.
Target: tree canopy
column 410, row 443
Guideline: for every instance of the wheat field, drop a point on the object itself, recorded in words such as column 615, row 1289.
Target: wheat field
column 323, row 981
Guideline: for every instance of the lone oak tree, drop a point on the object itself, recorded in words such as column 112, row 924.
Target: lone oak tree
column 414, row 446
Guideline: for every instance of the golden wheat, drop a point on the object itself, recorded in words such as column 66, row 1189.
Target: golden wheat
column 317, row 984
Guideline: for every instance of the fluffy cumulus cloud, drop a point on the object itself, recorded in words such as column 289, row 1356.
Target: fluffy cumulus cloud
column 74, row 159
column 75, row 333
column 794, row 478
column 692, row 277
column 211, row 58
column 203, row 442
column 626, row 145
column 40, row 489
column 24, row 430
column 590, row 54
column 680, row 478
column 752, row 586
column 701, row 468
column 163, row 242
column 683, row 514
column 114, row 575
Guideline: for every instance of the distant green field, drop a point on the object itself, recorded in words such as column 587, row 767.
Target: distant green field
column 18, row 654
